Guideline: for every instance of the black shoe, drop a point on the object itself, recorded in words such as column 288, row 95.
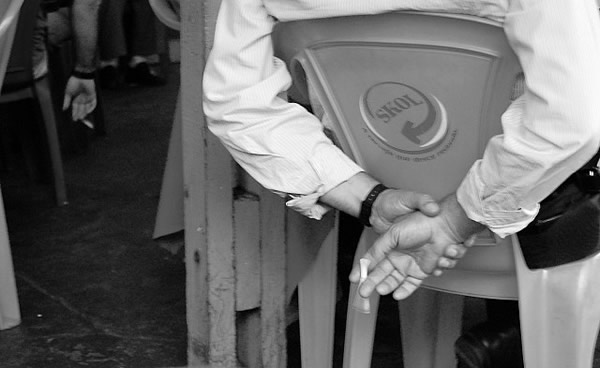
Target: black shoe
column 142, row 75
column 109, row 77
column 490, row 345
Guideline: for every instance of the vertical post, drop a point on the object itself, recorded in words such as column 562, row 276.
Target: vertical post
column 208, row 181
column 273, row 269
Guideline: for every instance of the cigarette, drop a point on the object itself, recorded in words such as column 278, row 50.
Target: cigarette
column 87, row 123
column 362, row 305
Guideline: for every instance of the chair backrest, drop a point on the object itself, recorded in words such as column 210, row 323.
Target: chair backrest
column 413, row 97
column 9, row 15
column 19, row 72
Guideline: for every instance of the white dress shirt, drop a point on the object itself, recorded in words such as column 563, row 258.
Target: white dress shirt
column 549, row 132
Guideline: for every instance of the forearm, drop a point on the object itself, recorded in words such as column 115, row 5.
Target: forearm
column 84, row 19
column 348, row 196
column 557, row 128
column 457, row 220
column 551, row 130
column 280, row 144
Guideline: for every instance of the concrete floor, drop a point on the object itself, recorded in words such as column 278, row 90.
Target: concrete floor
column 95, row 289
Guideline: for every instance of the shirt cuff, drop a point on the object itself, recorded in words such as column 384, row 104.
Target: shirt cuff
column 308, row 205
column 496, row 211
column 332, row 169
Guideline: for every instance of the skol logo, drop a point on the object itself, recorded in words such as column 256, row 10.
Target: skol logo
column 404, row 118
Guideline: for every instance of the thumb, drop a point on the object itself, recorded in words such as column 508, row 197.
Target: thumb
column 377, row 252
column 355, row 273
column 417, row 202
column 397, row 234
column 428, row 206
column 66, row 101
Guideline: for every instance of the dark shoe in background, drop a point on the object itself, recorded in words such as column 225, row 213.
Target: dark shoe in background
column 109, row 77
column 142, row 75
column 490, row 345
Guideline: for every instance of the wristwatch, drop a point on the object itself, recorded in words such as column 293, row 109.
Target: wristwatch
column 83, row 75
column 367, row 204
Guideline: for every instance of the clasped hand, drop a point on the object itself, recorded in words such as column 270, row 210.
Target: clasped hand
column 419, row 239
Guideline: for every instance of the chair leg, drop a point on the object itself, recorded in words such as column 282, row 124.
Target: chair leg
column 360, row 327
column 10, row 314
column 316, row 304
column 430, row 323
column 169, row 214
column 42, row 90
column 559, row 313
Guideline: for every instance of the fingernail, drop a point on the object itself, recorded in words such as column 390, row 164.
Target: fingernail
column 399, row 295
column 382, row 289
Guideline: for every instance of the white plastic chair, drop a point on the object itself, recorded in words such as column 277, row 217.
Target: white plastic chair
column 414, row 98
column 10, row 314
column 167, row 11
column 169, row 214
column 19, row 84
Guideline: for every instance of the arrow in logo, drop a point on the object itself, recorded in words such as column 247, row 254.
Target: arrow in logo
column 412, row 131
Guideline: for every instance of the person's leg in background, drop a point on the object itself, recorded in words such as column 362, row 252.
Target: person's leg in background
column 40, row 53
column 143, row 45
column 28, row 139
column 112, row 41
column 59, row 26
column 60, row 51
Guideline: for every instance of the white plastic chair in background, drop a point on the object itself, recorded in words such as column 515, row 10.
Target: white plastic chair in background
column 414, row 98
column 167, row 11
column 169, row 214
column 9, row 15
column 10, row 314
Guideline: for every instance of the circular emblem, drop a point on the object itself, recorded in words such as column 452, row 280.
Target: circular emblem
column 404, row 118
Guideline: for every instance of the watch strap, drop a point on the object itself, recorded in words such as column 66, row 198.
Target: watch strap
column 83, row 75
column 367, row 204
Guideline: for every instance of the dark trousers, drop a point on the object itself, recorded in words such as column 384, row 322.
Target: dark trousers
column 127, row 27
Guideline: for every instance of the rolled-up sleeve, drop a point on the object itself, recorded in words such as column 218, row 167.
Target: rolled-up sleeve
column 279, row 143
column 554, row 127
